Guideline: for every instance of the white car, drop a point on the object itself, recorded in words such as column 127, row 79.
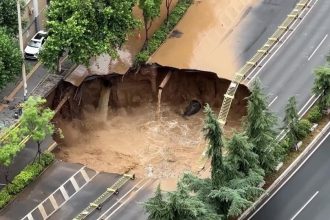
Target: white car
column 33, row 48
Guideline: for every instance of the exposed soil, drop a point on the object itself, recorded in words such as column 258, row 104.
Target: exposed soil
column 133, row 137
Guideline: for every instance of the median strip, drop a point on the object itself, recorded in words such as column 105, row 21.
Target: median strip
column 97, row 204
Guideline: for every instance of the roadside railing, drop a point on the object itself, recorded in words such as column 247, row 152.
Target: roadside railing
column 97, row 204
column 261, row 53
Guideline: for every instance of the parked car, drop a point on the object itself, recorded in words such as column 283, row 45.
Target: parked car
column 35, row 44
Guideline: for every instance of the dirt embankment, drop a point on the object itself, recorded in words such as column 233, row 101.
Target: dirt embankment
column 132, row 137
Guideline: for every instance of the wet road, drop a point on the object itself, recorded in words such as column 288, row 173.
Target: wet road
column 306, row 195
column 290, row 70
column 259, row 23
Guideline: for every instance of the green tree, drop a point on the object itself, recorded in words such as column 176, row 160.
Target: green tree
column 36, row 120
column 178, row 205
column 8, row 15
column 10, row 58
column 291, row 121
column 151, row 10
column 237, row 194
column 10, row 147
column 213, row 134
column 240, row 155
column 260, row 128
column 322, row 85
column 85, row 29
column 156, row 206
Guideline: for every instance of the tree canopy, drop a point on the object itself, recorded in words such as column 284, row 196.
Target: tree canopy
column 260, row 128
column 178, row 205
column 213, row 134
column 10, row 147
column 8, row 15
column 86, row 28
column 36, row 120
column 322, row 85
column 10, row 58
column 291, row 120
column 151, row 10
column 240, row 155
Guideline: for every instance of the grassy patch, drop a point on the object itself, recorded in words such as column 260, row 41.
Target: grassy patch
column 26, row 176
column 161, row 34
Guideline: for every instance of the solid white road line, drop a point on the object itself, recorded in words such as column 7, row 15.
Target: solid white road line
column 310, row 57
column 304, row 205
column 288, row 37
column 119, row 200
column 296, row 170
column 301, row 113
column 313, row 102
column 273, row 101
column 125, row 202
column 306, row 104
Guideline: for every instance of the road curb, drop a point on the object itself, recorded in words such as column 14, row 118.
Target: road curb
column 292, row 168
column 52, row 147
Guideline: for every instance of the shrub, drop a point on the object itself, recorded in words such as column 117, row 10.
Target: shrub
column 24, row 178
column 304, row 127
column 46, row 159
column 315, row 114
column 5, row 197
column 161, row 34
column 285, row 145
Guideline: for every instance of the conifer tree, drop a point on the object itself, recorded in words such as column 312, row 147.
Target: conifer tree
column 213, row 134
column 240, row 155
column 260, row 128
column 291, row 121
column 156, row 206
column 322, row 85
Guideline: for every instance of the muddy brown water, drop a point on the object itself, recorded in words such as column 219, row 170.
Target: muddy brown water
column 132, row 138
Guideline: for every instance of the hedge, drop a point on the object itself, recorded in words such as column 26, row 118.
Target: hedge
column 161, row 34
column 304, row 129
column 315, row 114
column 26, row 176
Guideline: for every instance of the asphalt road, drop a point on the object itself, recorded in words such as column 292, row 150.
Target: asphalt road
column 306, row 195
column 136, row 203
column 259, row 23
column 290, row 71
column 88, row 194
column 36, row 192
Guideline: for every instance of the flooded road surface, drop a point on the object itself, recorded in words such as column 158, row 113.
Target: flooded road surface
column 205, row 39
column 134, row 140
